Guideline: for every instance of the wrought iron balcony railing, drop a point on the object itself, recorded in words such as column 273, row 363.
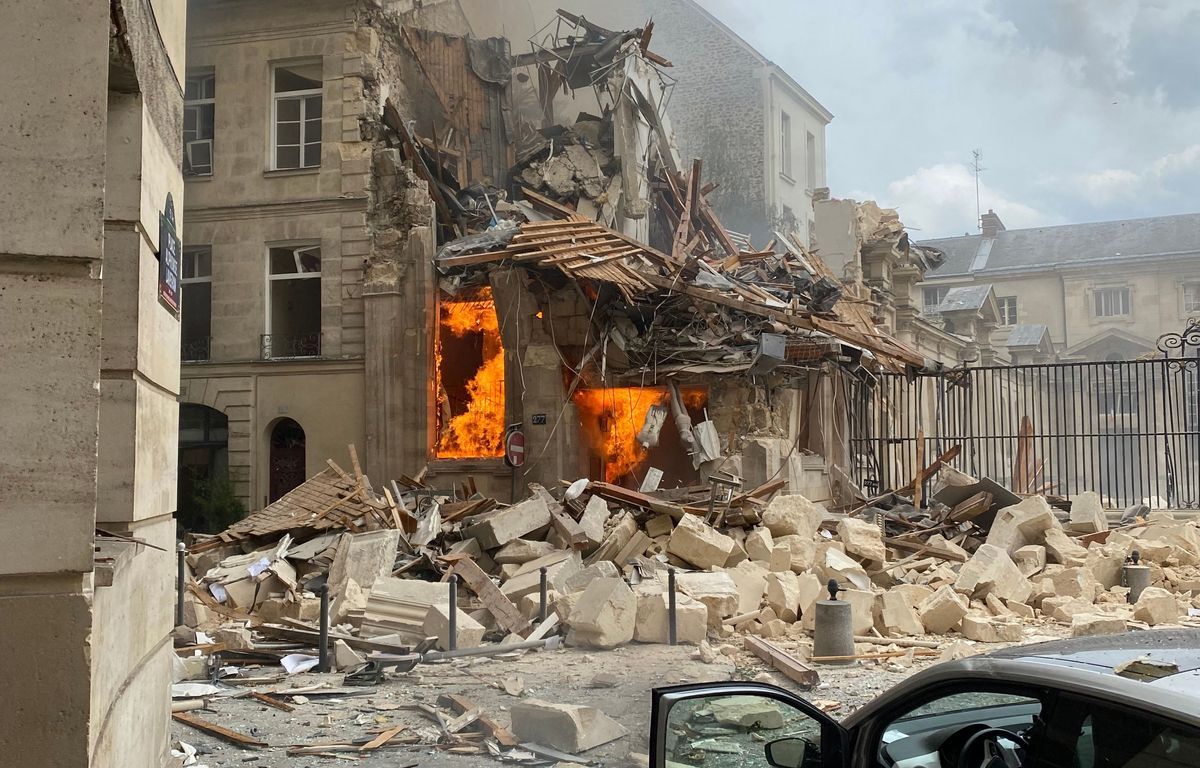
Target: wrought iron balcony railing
column 276, row 346
column 195, row 350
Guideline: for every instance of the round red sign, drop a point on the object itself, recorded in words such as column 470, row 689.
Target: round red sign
column 514, row 448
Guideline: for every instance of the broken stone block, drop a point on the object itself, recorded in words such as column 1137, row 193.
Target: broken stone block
column 781, row 558
column 651, row 624
column 986, row 629
column 801, row 551
column 942, row 611
column 991, row 571
column 1156, row 606
column 783, row 594
column 1061, row 548
column 862, row 539
column 530, row 604
column 775, row 628
column 1022, row 524
column 562, row 604
column 810, row 591
column 751, row 581
column 1105, row 566
column 605, row 616
column 1182, row 536
column 437, row 624
column 759, row 544
column 521, row 519
column 521, row 551
column 1087, row 513
column 235, row 638
column 577, row 582
column 345, row 657
column 793, row 515
column 698, row 543
column 1075, row 582
column 913, row 593
column 897, row 616
column 746, row 712
column 565, row 727
column 659, row 526
column 862, row 608
column 717, row 591
column 1064, row 609
column 1087, row 625
column 559, row 567
column 941, row 542
column 996, row 606
column 592, row 521
column 1020, row 609
column 840, row 566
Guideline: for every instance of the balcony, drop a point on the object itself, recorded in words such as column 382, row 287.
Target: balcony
column 197, row 350
column 290, row 347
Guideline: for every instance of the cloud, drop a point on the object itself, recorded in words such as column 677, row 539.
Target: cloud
column 1109, row 185
column 1177, row 162
column 939, row 201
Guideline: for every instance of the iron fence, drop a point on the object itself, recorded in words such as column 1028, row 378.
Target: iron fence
column 1129, row 430
column 195, row 350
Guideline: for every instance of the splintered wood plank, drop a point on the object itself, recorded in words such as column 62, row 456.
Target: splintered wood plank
column 271, row 701
column 221, row 732
column 792, row 668
column 488, row 593
column 460, row 704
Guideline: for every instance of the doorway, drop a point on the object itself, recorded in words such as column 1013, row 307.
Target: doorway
column 287, row 458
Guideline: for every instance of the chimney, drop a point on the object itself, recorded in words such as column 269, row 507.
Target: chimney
column 990, row 224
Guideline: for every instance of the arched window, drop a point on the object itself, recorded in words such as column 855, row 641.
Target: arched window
column 287, row 458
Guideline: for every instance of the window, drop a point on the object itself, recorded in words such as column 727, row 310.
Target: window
column 1191, row 298
column 946, row 723
column 199, row 111
column 1008, row 310
column 293, row 302
column 1087, row 735
column 810, row 162
column 296, row 135
column 785, row 144
column 1111, row 302
column 932, row 299
column 195, row 324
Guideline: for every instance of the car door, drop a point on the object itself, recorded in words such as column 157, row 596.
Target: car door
column 747, row 724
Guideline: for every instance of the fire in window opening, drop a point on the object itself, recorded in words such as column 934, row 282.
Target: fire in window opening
column 469, row 375
column 611, row 419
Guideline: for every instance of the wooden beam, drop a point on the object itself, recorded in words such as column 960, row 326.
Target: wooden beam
column 792, row 668
column 507, row 615
column 221, row 732
column 461, row 704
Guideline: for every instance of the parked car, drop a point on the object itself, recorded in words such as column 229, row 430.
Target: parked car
column 1114, row 701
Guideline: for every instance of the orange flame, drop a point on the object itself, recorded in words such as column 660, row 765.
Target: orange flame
column 612, row 418
column 478, row 431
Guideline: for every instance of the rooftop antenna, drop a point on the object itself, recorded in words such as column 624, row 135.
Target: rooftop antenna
column 977, row 168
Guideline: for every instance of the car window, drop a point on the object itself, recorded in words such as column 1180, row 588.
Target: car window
column 1104, row 737
column 742, row 731
column 936, row 732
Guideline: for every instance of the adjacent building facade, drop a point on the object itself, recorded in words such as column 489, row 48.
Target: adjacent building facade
column 1084, row 292
column 89, row 182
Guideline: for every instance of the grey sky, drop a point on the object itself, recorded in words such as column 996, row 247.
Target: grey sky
column 1085, row 110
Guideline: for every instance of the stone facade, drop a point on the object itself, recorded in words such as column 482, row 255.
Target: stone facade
column 1103, row 291
column 91, row 370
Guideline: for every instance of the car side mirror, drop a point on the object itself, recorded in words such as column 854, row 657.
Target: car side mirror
column 787, row 753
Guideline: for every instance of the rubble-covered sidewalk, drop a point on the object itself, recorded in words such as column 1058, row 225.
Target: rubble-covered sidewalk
column 923, row 585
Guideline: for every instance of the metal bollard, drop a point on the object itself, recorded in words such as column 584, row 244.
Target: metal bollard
column 833, row 632
column 1135, row 576
column 180, row 583
column 543, row 596
column 323, row 637
column 452, row 633
column 672, row 636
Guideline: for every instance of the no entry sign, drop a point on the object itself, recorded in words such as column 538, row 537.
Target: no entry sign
column 514, row 448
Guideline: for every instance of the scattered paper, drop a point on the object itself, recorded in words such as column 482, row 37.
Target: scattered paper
column 218, row 592
column 185, row 751
column 295, row 663
column 194, row 690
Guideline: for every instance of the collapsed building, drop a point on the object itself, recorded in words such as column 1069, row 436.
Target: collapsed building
column 568, row 281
